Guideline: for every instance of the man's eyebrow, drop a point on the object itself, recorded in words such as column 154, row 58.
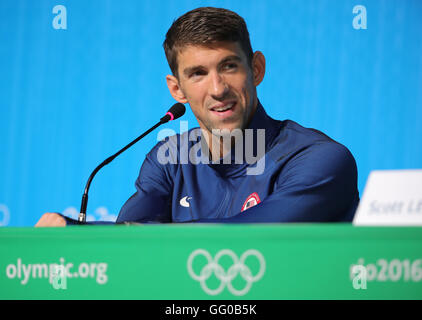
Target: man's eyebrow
column 230, row 58
column 187, row 71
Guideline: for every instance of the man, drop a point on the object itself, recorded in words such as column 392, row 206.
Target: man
column 301, row 176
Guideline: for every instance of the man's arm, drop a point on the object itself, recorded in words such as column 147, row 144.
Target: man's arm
column 319, row 185
column 56, row 219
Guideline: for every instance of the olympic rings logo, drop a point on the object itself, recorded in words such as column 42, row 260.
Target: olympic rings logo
column 226, row 278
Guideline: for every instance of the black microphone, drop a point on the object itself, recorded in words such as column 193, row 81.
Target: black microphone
column 176, row 111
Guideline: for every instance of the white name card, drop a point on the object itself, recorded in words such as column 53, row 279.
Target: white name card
column 391, row 198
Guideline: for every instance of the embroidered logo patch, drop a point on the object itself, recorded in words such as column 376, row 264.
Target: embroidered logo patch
column 251, row 201
column 184, row 202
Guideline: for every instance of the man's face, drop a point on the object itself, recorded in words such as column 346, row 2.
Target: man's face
column 218, row 84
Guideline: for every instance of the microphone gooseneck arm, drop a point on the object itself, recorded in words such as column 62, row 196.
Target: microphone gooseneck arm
column 175, row 112
column 84, row 204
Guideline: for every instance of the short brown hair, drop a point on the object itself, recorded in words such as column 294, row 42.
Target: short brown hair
column 203, row 26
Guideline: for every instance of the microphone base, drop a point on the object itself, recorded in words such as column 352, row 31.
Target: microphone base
column 82, row 218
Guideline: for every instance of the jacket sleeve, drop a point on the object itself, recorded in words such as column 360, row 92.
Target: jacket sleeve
column 317, row 185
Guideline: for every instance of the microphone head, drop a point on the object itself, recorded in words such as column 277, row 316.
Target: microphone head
column 176, row 111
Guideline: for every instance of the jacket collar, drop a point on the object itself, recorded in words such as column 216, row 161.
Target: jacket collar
column 268, row 126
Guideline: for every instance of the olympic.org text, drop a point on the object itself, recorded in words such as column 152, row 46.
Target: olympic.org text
column 51, row 271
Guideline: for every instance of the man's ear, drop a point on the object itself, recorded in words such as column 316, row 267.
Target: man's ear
column 258, row 67
column 175, row 90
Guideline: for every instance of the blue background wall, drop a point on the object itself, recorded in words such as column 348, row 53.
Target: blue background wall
column 70, row 98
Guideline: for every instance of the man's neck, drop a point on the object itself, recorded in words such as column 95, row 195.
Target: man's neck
column 220, row 146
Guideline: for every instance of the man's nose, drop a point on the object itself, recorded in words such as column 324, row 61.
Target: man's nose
column 218, row 86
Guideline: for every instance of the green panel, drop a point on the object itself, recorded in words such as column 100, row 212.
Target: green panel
column 302, row 261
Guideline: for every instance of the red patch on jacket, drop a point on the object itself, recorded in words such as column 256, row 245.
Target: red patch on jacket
column 251, row 201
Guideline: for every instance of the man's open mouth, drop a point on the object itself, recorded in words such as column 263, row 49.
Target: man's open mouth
column 226, row 109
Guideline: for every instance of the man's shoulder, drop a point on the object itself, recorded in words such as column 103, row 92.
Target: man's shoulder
column 308, row 157
column 296, row 142
column 300, row 134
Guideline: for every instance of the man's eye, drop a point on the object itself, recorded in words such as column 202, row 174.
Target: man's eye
column 230, row 66
column 196, row 74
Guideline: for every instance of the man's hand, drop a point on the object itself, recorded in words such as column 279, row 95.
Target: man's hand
column 51, row 219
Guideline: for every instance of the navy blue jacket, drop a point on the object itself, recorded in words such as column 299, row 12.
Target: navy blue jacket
column 308, row 177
